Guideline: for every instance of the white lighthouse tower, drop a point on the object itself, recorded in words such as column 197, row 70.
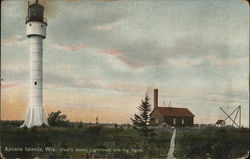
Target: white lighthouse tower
column 36, row 32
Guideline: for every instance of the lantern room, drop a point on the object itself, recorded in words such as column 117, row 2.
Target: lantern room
column 35, row 13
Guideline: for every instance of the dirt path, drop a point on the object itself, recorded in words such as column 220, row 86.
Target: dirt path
column 172, row 145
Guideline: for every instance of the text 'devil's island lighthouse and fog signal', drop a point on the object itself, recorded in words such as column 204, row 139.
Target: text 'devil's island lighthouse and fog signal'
column 36, row 32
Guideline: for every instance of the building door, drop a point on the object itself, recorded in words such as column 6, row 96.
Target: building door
column 174, row 121
column 182, row 121
column 157, row 121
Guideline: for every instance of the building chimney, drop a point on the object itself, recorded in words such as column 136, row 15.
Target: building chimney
column 155, row 98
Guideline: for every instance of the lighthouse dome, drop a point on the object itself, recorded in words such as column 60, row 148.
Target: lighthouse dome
column 35, row 13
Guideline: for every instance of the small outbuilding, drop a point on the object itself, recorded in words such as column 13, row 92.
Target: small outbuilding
column 220, row 123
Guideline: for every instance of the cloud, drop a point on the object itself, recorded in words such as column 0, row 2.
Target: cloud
column 5, row 85
column 130, row 64
column 70, row 47
column 105, row 27
column 82, row 24
column 57, row 79
column 14, row 70
column 14, row 103
column 206, row 120
column 185, row 62
column 185, row 52
column 111, row 51
column 141, row 53
column 109, row 0
column 129, row 87
column 56, row 86
column 66, row 79
column 212, row 59
column 10, row 39
column 119, row 56
column 197, row 46
column 226, row 61
column 77, row 47
column 14, row 40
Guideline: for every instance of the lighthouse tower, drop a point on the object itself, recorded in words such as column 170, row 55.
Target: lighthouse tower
column 36, row 32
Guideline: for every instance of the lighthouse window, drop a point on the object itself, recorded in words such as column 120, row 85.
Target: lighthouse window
column 30, row 24
column 41, row 25
column 35, row 82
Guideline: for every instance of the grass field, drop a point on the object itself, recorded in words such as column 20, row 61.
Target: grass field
column 86, row 142
column 119, row 141
column 212, row 142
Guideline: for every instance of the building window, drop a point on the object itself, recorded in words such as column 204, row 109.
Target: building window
column 174, row 121
column 156, row 121
column 182, row 121
column 41, row 25
column 30, row 24
column 35, row 82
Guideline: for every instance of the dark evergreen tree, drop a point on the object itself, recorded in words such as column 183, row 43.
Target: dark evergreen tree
column 141, row 121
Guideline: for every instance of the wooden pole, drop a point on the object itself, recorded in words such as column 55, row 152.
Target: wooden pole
column 240, row 116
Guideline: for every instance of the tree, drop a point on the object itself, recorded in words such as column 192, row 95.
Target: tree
column 141, row 121
column 57, row 119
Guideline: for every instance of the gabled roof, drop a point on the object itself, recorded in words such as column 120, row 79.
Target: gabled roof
column 171, row 111
column 220, row 122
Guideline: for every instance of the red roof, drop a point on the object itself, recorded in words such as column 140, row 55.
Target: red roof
column 220, row 122
column 171, row 111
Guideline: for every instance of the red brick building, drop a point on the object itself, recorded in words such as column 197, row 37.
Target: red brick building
column 172, row 116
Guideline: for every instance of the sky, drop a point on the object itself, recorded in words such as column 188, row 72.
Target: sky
column 101, row 57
